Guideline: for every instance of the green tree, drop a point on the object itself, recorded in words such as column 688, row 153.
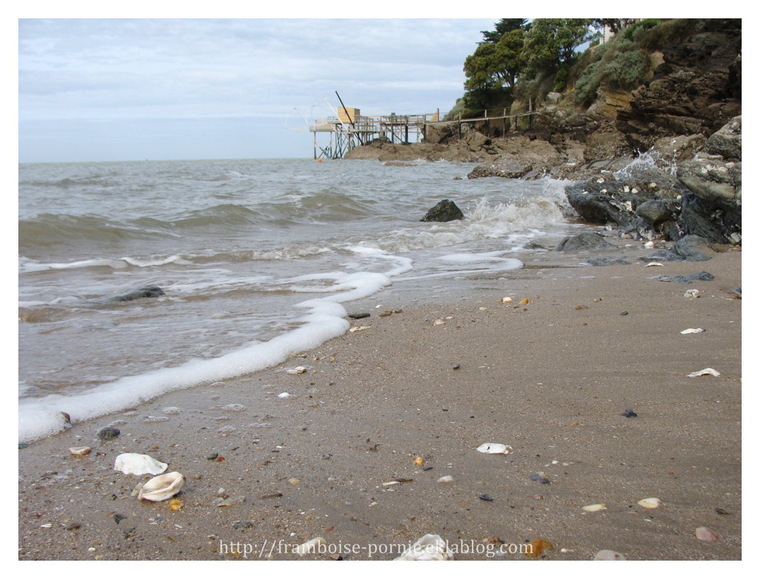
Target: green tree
column 496, row 64
column 503, row 26
column 550, row 44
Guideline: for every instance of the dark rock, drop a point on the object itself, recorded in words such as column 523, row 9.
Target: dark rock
column 150, row 291
column 583, row 241
column 485, row 498
column 603, row 260
column 658, row 211
column 108, row 433
column 601, row 202
column 727, row 141
column 444, row 211
column 701, row 276
column 359, row 316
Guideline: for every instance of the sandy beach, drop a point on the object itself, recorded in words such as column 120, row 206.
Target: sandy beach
column 349, row 442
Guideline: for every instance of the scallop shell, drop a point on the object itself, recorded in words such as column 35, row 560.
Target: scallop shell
column 133, row 463
column 705, row 372
column 162, row 487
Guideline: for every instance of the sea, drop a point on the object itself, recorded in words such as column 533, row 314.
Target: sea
column 255, row 260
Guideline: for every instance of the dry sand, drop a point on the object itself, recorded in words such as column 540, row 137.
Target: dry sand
column 435, row 379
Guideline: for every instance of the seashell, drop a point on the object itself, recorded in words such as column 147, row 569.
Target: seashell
column 691, row 293
column 506, row 300
column 446, row 479
column 705, row 534
column 80, row 450
column 524, row 302
column 176, row 505
column 649, row 245
column 705, row 372
column 651, row 503
column 494, row 448
column 609, row 555
column 654, row 264
column 595, row 508
column 427, row 548
column 419, row 461
column 162, row 487
column 297, row 370
column 310, row 546
column 693, row 331
column 133, row 463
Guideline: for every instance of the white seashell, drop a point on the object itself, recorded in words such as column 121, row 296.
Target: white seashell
column 705, row 372
column 691, row 293
column 133, row 463
column 494, row 448
column 609, row 555
column 446, row 479
column 595, row 508
column 297, row 370
column 649, row 244
column 651, row 503
column 162, row 487
column 506, row 300
column 427, row 548
column 693, row 331
column 309, row 546
column 654, row 264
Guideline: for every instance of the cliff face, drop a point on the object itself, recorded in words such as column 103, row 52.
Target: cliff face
column 693, row 90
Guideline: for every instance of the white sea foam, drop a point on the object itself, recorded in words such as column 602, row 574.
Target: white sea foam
column 40, row 417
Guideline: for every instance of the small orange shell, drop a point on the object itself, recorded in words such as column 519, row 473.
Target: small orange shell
column 419, row 461
column 176, row 504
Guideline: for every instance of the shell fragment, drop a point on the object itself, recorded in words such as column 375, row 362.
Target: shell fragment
column 693, row 331
column 705, row 372
column 595, row 508
column 494, row 448
column 651, row 503
column 427, row 548
column 133, row 463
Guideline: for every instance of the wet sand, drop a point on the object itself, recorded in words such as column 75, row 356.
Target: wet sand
column 432, row 378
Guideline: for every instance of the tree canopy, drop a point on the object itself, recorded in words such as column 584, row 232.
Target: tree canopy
column 521, row 49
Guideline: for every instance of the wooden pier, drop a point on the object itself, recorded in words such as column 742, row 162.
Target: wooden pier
column 351, row 129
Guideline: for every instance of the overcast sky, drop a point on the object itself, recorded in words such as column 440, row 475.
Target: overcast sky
column 133, row 89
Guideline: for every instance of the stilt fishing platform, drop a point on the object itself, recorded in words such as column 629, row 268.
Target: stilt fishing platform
column 349, row 129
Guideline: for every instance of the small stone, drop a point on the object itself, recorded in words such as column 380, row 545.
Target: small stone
column 705, row 534
column 487, row 498
column 629, row 413
column 242, row 524
column 108, row 433
column 721, row 511
column 358, row 316
column 608, row 555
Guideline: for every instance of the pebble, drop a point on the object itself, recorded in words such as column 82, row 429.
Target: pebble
column 542, row 479
column 242, row 524
column 484, row 497
column 608, row 555
column 359, row 316
column 705, row 534
column 629, row 413
column 108, row 433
